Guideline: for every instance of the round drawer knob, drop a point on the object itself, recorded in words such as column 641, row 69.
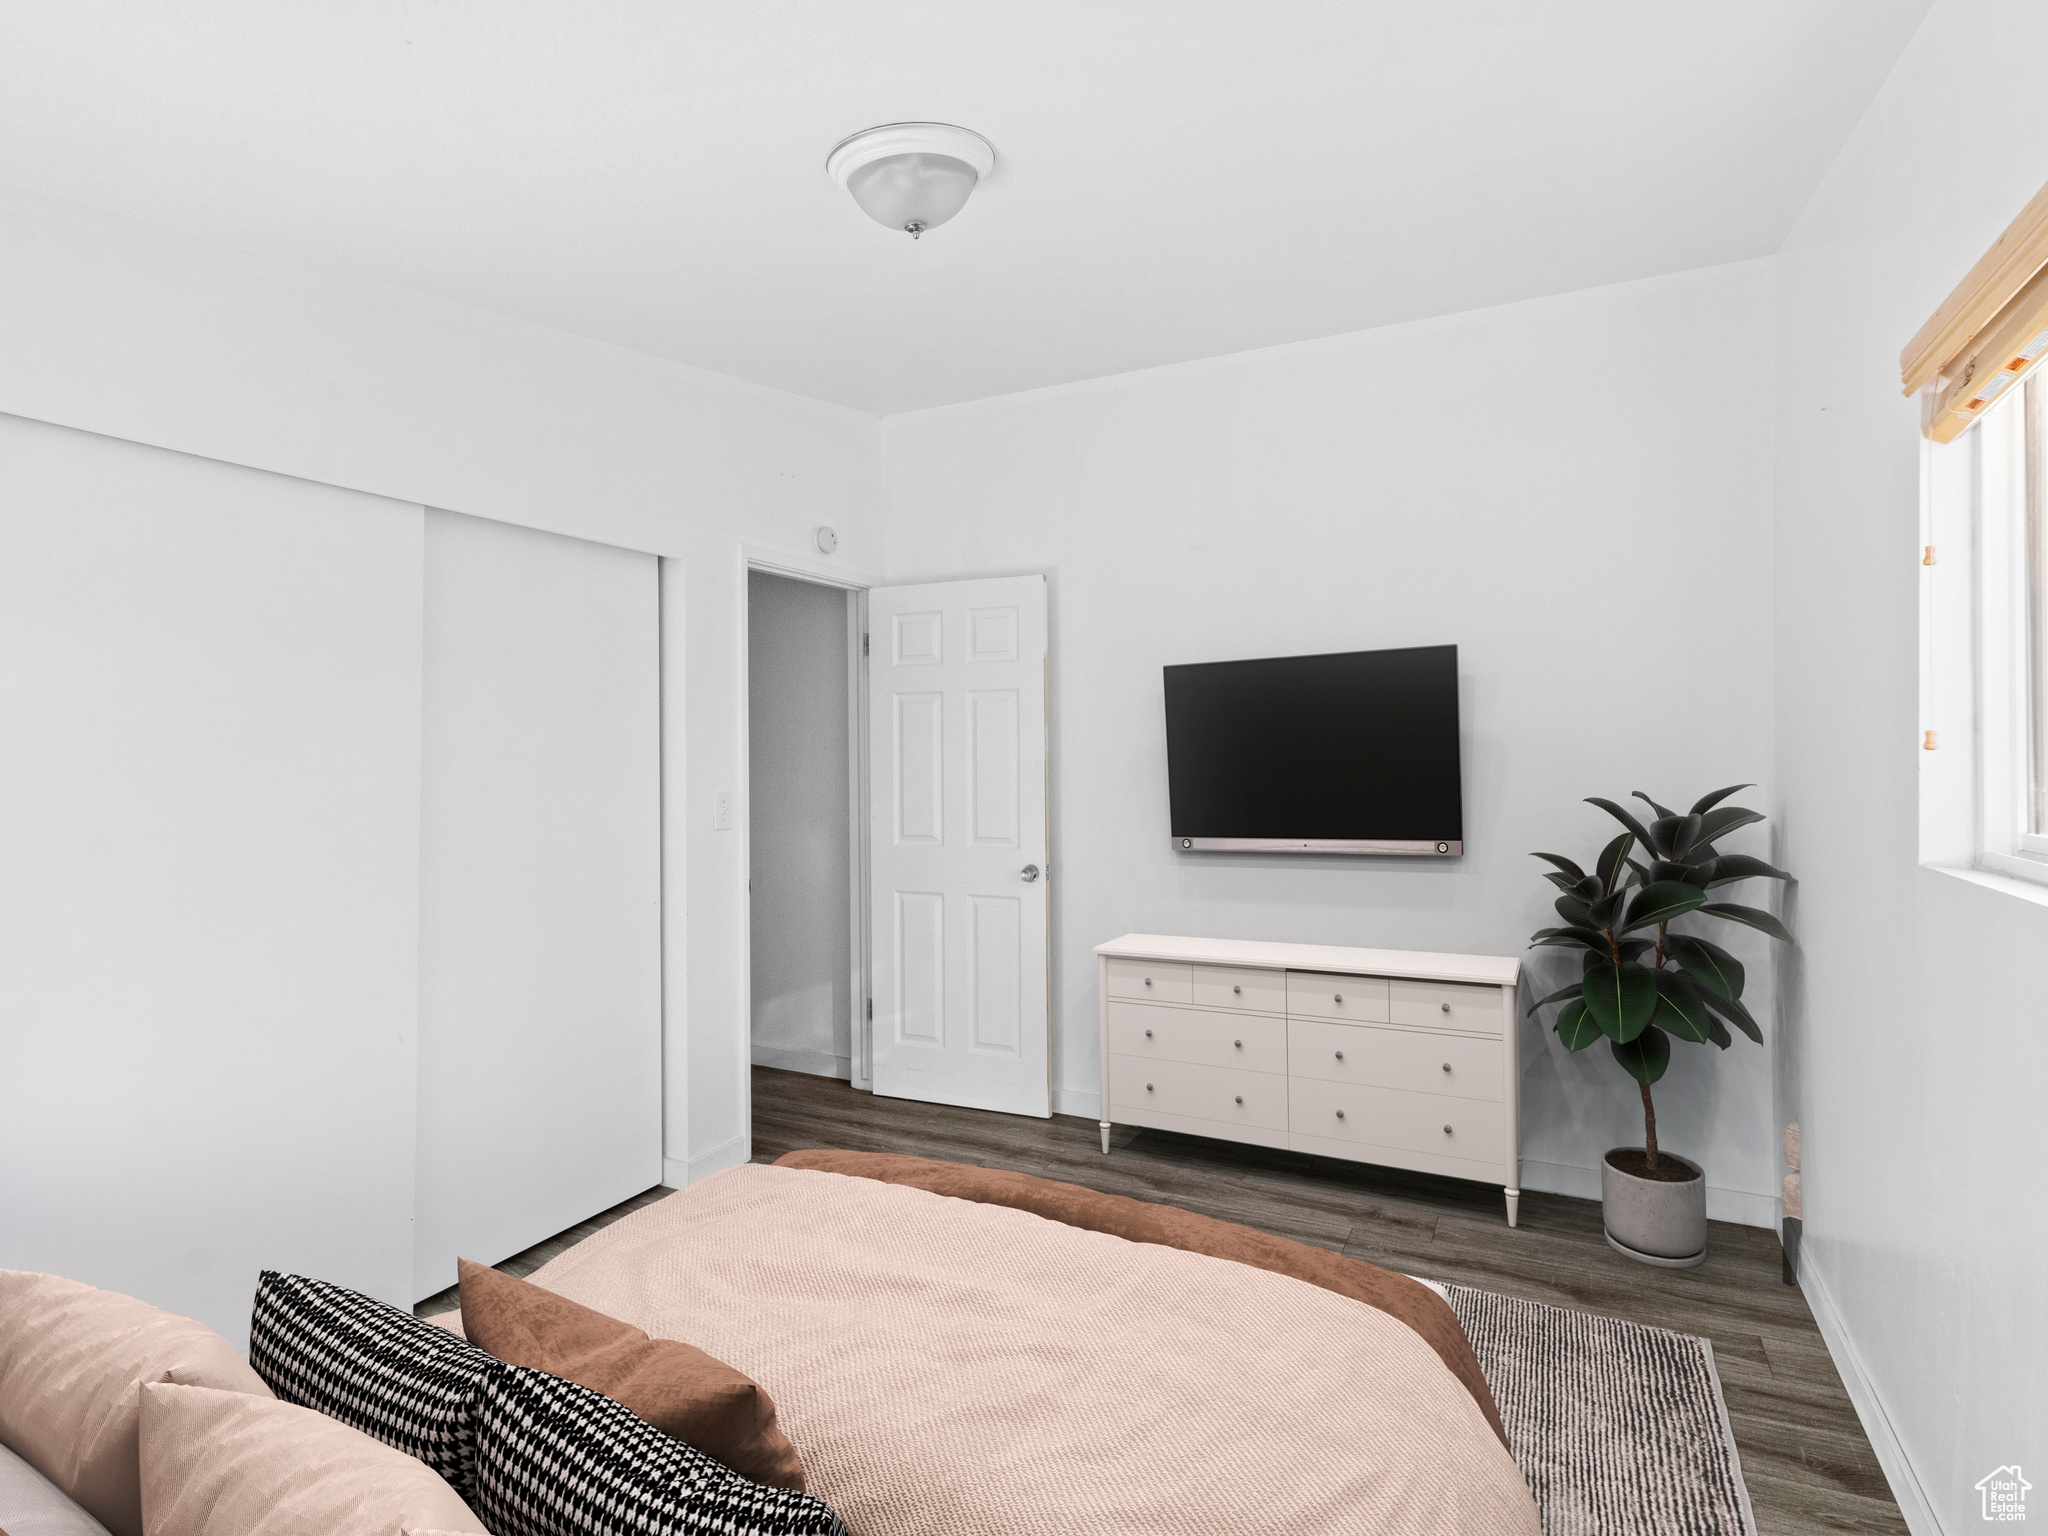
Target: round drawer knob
column 1447, row 1065
column 1148, row 981
column 1148, row 1036
column 1340, row 1114
column 1240, row 1098
column 1447, row 1130
column 1237, row 989
column 1447, row 1007
column 1238, row 1043
column 1340, row 1055
column 1339, row 996
column 1148, row 1089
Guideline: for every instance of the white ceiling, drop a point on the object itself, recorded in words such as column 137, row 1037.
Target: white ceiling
column 1175, row 180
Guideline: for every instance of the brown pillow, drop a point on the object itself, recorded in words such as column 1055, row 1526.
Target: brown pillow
column 72, row 1363
column 677, row 1388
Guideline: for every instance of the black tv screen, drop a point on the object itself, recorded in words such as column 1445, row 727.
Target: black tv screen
column 1350, row 753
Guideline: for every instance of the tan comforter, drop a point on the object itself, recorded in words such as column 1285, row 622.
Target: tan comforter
column 956, row 1369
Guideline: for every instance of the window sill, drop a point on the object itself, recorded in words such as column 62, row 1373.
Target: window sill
column 2027, row 888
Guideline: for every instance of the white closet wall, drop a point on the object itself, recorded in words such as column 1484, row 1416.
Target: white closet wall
column 209, row 843
column 540, row 888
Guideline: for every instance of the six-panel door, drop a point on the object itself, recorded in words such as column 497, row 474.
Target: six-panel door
column 958, row 841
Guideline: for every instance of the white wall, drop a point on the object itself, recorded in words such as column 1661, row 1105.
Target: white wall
column 150, row 337
column 209, row 874
column 1916, row 1056
column 798, row 825
column 1575, row 491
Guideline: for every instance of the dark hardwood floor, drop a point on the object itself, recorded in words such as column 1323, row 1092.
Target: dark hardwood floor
column 1805, row 1458
column 1804, row 1455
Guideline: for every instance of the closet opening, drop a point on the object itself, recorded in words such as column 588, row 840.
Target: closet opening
column 806, row 817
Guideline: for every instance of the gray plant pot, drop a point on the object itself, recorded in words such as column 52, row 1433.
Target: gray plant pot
column 1651, row 1221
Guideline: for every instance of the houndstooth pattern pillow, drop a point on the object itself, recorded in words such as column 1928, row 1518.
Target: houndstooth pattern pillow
column 558, row 1459
column 407, row 1383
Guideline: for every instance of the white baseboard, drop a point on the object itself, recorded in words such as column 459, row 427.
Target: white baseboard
column 817, row 1063
column 1077, row 1101
column 678, row 1174
column 1736, row 1205
column 1877, row 1425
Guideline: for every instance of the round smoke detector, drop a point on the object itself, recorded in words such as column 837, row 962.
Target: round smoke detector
column 911, row 176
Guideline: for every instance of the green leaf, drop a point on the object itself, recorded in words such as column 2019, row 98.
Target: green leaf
column 1604, row 911
column 1575, row 1027
column 1710, row 965
column 1613, row 859
column 1640, row 870
column 1621, row 999
column 1634, row 949
column 1564, row 864
column 1660, row 901
column 1718, row 1033
column 1740, row 866
column 1706, row 803
column 1660, row 834
column 1734, row 1013
column 1663, row 811
column 1688, row 837
column 1680, row 1009
column 1562, row 882
column 1691, row 874
column 1556, row 997
column 1571, row 938
column 1718, row 824
column 1761, row 921
column 1645, row 1057
column 1572, row 907
column 1622, row 816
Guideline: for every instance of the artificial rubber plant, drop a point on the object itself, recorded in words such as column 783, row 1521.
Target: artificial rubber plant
column 1640, row 992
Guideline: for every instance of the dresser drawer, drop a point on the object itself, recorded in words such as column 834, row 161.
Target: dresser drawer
column 1246, row 1099
column 1445, row 1005
column 1207, row 1037
column 1154, row 981
column 1360, row 999
column 1395, row 1058
column 1223, row 986
column 1430, row 1123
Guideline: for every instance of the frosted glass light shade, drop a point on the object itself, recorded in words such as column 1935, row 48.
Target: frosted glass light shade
column 911, row 176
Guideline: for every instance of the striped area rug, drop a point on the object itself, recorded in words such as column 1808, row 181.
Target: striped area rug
column 1619, row 1429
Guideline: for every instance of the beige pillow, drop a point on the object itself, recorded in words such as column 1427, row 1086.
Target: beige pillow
column 226, row 1464
column 71, row 1361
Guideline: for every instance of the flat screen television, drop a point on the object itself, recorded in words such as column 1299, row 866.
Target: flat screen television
column 1350, row 753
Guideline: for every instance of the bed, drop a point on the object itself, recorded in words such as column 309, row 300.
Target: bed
column 958, row 1350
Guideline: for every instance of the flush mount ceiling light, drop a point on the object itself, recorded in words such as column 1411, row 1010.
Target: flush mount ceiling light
column 911, row 176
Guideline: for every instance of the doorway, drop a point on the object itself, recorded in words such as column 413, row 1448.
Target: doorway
column 804, row 821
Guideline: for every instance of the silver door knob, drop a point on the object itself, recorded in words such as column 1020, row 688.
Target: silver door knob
column 1238, row 1043
column 1339, row 996
column 1148, row 1089
column 1340, row 1055
column 1030, row 872
column 1148, row 1036
column 1237, row 989
column 1447, row 1007
column 1148, row 981
column 1447, row 1130
column 1447, row 1065
column 1240, row 1098
column 1340, row 1114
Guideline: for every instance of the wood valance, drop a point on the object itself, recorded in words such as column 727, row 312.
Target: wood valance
column 1989, row 332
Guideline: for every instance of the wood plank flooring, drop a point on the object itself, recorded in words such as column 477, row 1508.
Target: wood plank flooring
column 1805, row 1458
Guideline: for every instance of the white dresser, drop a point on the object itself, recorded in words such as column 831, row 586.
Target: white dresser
column 1378, row 1055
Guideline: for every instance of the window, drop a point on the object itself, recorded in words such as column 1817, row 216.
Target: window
column 2009, row 607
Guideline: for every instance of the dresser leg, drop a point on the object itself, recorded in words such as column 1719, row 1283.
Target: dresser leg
column 1105, row 1138
column 1514, row 1204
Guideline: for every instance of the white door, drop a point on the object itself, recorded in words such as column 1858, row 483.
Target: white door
column 958, row 840
column 540, row 889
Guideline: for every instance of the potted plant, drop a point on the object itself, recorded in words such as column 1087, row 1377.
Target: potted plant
column 1644, row 986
